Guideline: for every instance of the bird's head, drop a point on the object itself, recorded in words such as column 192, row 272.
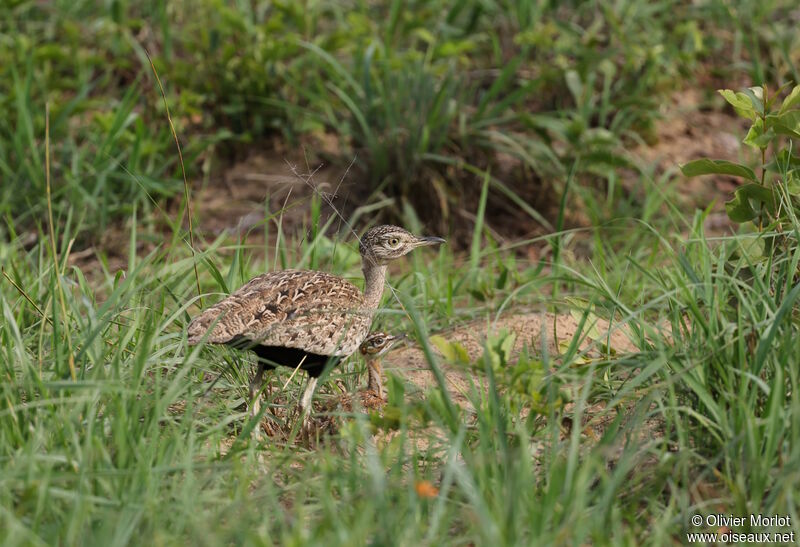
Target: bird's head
column 378, row 343
column 382, row 244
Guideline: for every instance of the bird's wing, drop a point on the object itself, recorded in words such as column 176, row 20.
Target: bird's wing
column 312, row 311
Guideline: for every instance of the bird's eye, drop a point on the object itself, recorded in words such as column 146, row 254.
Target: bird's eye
column 378, row 342
column 394, row 242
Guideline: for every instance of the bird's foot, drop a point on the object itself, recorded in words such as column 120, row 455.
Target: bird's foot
column 269, row 427
column 308, row 429
column 372, row 400
column 265, row 425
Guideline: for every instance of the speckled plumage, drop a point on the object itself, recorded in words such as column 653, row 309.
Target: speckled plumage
column 372, row 348
column 305, row 318
column 312, row 311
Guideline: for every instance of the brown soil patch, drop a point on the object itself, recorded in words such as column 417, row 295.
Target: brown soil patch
column 409, row 363
column 530, row 329
column 253, row 188
column 265, row 186
column 691, row 129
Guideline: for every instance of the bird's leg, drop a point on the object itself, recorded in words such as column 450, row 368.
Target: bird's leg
column 308, row 395
column 254, row 392
column 269, row 398
column 304, row 407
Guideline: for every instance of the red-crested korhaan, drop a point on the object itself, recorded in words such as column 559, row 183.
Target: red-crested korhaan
column 302, row 318
column 372, row 348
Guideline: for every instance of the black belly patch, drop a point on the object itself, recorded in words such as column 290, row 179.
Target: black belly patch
column 272, row 356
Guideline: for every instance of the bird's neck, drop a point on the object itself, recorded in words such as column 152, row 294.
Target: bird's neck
column 374, row 378
column 374, row 279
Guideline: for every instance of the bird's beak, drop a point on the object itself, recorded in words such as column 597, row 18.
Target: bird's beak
column 429, row 240
column 392, row 341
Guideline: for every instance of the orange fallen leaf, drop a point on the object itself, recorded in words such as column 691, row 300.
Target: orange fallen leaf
column 426, row 490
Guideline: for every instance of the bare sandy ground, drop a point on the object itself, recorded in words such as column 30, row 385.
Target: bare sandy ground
column 531, row 329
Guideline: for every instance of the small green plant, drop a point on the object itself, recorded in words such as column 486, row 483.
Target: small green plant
column 770, row 199
column 733, row 316
column 522, row 377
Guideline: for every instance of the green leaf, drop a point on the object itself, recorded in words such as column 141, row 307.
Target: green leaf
column 740, row 103
column 507, row 346
column 792, row 100
column 480, row 296
column 577, row 311
column 425, row 35
column 739, row 208
column 787, row 123
column 451, row 351
column 735, row 99
column 706, row 166
column 793, row 183
column 499, row 347
column 590, row 326
column 574, row 85
column 751, row 248
column 756, row 97
column 757, row 137
column 501, row 279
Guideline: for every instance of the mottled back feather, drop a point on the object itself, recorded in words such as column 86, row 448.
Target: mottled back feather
column 311, row 311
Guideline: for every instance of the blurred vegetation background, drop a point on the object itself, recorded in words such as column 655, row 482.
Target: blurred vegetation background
column 427, row 97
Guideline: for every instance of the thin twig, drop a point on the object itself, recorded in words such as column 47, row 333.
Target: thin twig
column 21, row 291
column 308, row 181
column 186, row 193
column 280, row 230
column 300, row 364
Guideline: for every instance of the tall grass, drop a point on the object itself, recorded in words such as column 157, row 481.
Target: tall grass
column 135, row 451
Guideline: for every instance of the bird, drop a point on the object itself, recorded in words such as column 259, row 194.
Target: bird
column 372, row 348
column 304, row 318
